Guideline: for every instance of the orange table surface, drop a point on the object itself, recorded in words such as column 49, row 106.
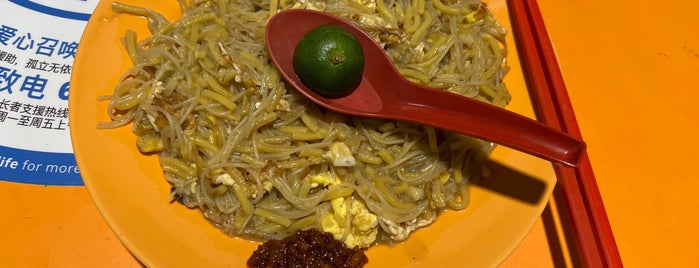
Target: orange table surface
column 631, row 69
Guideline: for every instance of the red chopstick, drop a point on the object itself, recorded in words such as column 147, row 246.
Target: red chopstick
column 592, row 233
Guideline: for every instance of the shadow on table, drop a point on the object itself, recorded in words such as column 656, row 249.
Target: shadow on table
column 514, row 184
column 559, row 232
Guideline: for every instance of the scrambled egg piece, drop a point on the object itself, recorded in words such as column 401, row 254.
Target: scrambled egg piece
column 282, row 105
column 309, row 5
column 349, row 221
column 363, row 225
column 371, row 4
column 267, row 187
column 324, row 179
column 150, row 144
column 224, row 179
column 155, row 93
column 400, row 231
column 340, row 155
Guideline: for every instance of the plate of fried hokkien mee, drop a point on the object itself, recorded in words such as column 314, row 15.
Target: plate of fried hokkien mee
column 196, row 152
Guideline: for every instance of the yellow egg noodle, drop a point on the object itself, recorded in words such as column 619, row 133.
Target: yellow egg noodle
column 261, row 162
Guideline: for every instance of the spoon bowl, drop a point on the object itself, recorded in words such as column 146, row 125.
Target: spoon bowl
column 385, row 93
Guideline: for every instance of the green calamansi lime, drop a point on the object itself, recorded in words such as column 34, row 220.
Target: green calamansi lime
column 329, row 61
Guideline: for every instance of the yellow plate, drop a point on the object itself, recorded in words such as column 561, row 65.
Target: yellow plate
column 130, row 191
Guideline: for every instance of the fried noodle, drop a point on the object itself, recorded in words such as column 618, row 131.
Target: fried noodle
column 262, row 162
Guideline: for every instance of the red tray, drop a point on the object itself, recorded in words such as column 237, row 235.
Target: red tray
column 593, row 240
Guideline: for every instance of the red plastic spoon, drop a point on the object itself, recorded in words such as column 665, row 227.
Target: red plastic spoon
column 384, row 93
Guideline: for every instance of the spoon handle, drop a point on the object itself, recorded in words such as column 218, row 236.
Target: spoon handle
column 485, row 121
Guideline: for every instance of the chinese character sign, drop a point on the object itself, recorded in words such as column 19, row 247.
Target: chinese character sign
column 38, row 43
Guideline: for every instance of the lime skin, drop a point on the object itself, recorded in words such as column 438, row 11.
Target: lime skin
column 330, row 61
